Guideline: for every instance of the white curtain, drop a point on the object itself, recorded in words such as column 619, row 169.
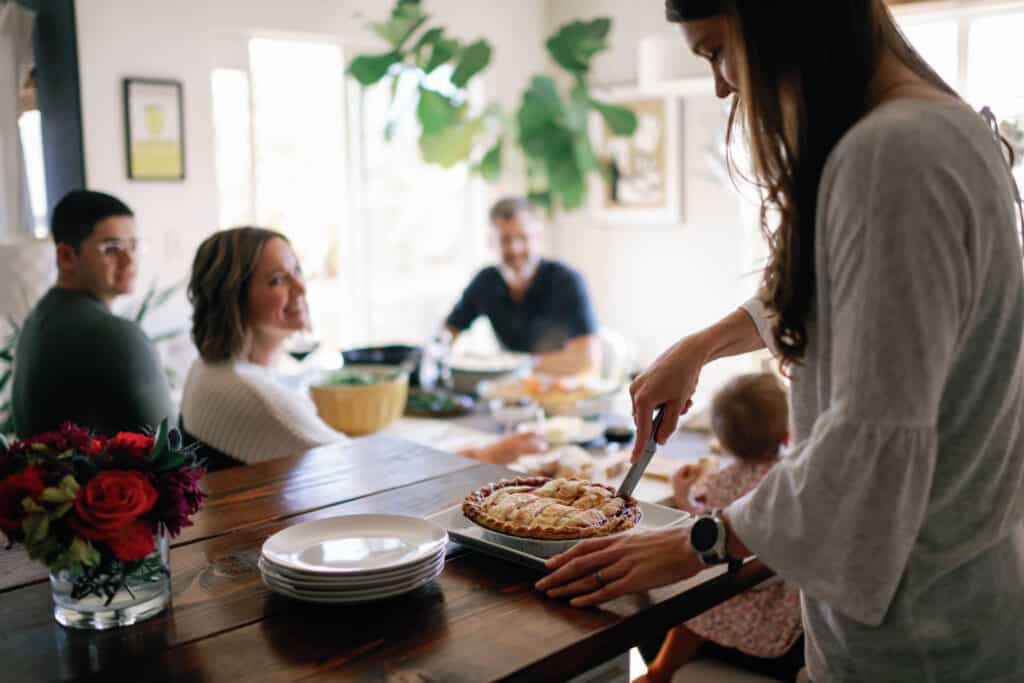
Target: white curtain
column 16, row 61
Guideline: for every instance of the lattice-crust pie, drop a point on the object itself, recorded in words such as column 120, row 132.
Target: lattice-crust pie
column 551, row 509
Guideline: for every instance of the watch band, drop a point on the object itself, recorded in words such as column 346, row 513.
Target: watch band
column 717, row 554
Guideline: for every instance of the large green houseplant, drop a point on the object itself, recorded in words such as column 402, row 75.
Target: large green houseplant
column 550, row 127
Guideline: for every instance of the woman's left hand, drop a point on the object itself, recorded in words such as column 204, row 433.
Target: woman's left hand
column 599, row 570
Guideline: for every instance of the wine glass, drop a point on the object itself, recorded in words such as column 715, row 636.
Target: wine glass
column 301, row 346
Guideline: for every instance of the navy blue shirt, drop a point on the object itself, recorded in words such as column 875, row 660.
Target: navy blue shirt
column 554, row 309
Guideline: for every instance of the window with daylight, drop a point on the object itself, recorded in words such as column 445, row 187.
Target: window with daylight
column 386, row 241
column 975, row 47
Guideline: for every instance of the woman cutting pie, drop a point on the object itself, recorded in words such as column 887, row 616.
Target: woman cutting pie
column 894, row 296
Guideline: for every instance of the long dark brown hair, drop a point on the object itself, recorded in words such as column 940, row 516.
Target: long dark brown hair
column 805, row 71
column 219, row 289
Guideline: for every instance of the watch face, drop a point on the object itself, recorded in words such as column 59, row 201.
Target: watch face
column 704, row 534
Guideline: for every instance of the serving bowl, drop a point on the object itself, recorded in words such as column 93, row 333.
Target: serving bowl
column 359, row 409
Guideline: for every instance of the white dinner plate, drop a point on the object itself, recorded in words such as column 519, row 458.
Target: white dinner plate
column 561, row 430
column 353, row 579
column 355, row 544
column 348, row 585
column 349, row 597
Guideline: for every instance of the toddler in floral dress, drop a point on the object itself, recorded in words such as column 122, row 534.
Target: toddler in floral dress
column 750, row 418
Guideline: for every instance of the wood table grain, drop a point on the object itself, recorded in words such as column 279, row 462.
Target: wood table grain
column 480, row 620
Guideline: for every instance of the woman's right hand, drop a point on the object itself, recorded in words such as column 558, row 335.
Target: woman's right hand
column 670, row 381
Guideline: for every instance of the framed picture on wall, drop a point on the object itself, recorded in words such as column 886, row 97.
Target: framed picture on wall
column 644, row 179
column 154, row 129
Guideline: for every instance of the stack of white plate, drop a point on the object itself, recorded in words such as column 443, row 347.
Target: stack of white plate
column 356, row 558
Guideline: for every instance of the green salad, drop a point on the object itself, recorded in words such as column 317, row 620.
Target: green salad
column 352, row 378
column 422, row 401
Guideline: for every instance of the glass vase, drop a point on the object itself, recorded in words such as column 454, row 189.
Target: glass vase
column 114, row 593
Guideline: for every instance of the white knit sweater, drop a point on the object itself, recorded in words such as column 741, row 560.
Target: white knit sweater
column 242, row 410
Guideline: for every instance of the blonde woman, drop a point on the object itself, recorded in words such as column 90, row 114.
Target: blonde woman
column 248, row 296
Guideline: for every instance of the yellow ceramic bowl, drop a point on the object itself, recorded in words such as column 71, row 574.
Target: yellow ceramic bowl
column 358, row 409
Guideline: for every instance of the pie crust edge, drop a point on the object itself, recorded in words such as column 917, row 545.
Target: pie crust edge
column 472, row 510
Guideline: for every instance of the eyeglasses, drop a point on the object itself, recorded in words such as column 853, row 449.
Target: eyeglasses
column 115, row 248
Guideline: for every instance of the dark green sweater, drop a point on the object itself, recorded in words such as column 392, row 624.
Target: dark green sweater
column 77, row 361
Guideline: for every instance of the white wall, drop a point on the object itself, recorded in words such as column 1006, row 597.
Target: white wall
column 657, row 282
column 184, row 40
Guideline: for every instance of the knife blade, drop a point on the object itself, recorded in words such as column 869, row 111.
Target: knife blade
column 636, row 470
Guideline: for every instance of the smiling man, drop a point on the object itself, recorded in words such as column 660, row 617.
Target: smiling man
column 75, row 359
column 535, row 305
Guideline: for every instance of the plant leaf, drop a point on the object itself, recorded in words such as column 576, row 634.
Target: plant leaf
column 52, row 494
column 5, row 378
column 435, row 111
column 576, row 43
column 144, row 306
column 541, row 199
column 429, row 38
column 405, row 18
column 474, row 59
column 452, row 145
column 368, row 69
column 35, row 526
column 568, row 182
column 621, row 121
column 444, row 50
column 159, row 442
column 490, row 165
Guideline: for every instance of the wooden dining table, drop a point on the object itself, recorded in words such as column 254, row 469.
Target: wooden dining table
column 480, row 620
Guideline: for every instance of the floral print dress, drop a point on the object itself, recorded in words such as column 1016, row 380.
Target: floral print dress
column 764, row 621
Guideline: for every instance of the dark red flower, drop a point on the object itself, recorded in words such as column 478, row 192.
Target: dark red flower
column 133, row 542
column 27, row 482
column 109, row 502
column 180, row 497
column 137, row 445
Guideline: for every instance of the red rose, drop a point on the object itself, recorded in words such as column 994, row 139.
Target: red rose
column 109, row 502
column 27, row 482
column 134, row 542
column 138, row 445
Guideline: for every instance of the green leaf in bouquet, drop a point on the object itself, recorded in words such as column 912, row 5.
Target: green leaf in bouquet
column 576, row 43
column 5, row 378
column 436, row 111
column 69, row 485
column 31, row 506
column 35, row 526
column 621, row 121
column 61, row 510
column 64, row 455
column 78, row 554
column 472, row 61
column 172, row 461
column 159, row 442
column 52, row 494
column 368, row 69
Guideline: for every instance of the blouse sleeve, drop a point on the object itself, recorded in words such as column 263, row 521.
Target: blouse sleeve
column 839, row 518
column 758, row 312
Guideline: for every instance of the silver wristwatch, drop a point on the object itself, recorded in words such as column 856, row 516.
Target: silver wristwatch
column 708, row 539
